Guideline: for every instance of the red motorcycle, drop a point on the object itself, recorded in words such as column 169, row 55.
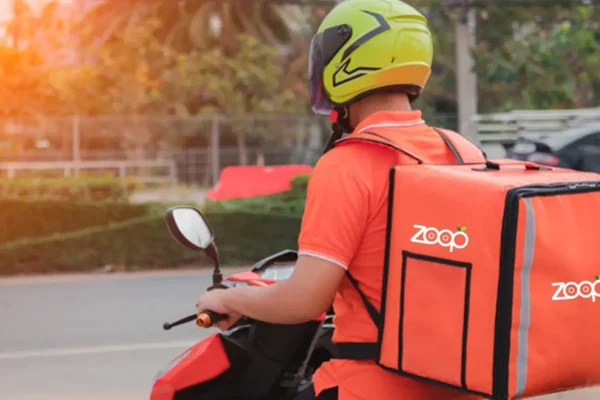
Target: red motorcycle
column 253, row 359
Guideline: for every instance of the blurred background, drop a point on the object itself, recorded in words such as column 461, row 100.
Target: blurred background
column 111, row 111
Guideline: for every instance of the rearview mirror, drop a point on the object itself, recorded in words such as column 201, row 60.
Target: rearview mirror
column 189, row 227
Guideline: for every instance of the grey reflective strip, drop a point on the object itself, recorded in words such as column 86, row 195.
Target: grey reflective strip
column 525, row 312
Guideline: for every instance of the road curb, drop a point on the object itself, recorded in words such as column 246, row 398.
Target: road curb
column 78, row 277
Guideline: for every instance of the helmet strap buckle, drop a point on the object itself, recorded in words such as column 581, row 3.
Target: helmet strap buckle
column 340, row 124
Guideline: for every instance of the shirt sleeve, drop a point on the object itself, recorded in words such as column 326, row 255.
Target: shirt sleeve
column 336, row 212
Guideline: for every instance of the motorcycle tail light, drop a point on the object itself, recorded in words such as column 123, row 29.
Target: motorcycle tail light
column 544, row 159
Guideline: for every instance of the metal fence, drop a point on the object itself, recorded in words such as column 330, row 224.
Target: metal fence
column 194, row 150
column 146, row 171
column 200, row 147
column 533, row 124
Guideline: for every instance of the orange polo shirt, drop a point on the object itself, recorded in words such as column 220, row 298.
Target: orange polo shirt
column 345, row 222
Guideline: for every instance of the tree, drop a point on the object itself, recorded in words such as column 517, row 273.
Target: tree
column 159, row 57
column 527, row 56
column 189, row 24
column 250, row 82
column 19, row 28
column 31, row 85
column 546, row 59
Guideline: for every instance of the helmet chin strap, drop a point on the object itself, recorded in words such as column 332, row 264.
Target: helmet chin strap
column 340, row 124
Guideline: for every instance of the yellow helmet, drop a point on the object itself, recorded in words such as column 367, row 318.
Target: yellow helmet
column 364, row 46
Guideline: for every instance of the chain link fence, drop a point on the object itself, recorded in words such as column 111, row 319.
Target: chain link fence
column 200, row 146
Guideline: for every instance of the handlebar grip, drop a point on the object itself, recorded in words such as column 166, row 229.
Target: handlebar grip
column 207, row 318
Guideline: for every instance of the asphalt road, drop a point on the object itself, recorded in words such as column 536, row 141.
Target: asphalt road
column 91, row 338
column 99, row 337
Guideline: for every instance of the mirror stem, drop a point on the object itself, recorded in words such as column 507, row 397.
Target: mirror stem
column 217, row 277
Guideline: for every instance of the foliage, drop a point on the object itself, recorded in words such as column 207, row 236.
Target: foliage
column 545, row 58
column 138, row 62
column 190, row 25
column 131, row 67
column 279, row 204
column 157, row 58
column 290, row 202
column 250, row 80
column 300, row 184
column 40, row 218
column 145, row 243
column 68, row 189
column 69, row 236
column 32, row 81
column 245, row 237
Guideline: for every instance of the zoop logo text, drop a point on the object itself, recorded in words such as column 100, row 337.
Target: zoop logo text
column 444, row 237
column 573, row 290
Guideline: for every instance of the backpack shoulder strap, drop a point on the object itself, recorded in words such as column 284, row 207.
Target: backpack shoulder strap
column 465, row 151
column 376, row 138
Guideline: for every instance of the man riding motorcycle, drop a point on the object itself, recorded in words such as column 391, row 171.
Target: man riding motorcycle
column 369, row 60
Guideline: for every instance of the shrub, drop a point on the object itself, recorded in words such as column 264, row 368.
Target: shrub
column 275, row 204
column 144, row 242
column 290, row 202
column 65, row 234
column 246, row 237
column 33, row 219
column 300, row 183
column 68, row 189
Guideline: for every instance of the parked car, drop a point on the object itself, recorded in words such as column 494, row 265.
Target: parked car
column 577, row 149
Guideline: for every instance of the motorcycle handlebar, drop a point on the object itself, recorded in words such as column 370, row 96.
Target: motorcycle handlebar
column 207, row 318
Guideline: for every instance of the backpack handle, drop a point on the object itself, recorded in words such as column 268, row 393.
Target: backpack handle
column 529, row 166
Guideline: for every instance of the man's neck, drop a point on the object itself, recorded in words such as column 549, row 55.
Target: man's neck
column 379, row 102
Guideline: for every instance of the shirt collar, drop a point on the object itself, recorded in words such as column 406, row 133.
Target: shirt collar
column 390, row 119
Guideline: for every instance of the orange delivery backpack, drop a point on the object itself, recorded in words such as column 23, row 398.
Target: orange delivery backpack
column 491, row 276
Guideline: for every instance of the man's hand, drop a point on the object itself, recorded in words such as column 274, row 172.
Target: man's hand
column 304, row 296
column 215, row 301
